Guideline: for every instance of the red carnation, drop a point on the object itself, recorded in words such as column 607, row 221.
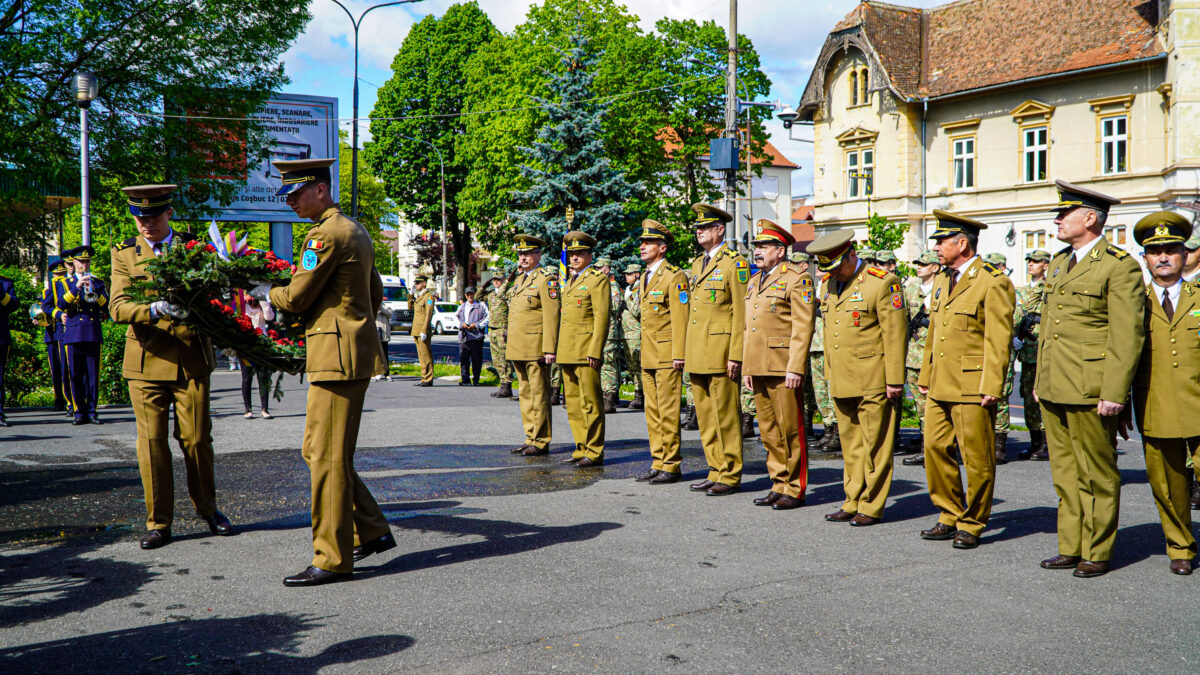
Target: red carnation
column 258, row 331
column 208, row 248
column 273, row 334
column 216, row 303
column 300, row 343
column 192, row 244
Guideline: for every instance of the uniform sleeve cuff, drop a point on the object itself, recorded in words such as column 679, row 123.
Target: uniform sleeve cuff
column 7, row 299
column 70, row 298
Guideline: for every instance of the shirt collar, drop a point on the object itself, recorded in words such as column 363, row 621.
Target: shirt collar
column 166, row 242
column 963, row 267
column 650, row 270
column 1172, row 292
column 1083, row 250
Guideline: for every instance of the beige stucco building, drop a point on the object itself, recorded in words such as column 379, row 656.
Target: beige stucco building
column 977, row 106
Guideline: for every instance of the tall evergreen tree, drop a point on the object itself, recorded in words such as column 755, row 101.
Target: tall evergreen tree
column 568, row 166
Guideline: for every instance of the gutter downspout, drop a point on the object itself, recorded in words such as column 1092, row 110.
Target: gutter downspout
column 924, row 161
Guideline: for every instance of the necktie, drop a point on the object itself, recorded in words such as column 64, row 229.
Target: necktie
column 1168, row 308
column 646, row 281
column 1071, row 262
column 706, row 259
column 953, row 279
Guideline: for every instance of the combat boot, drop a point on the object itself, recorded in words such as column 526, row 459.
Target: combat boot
column 1002, row 448
column 557, row 399
column 1039, row 450
column 610, row 403
column 505, row 391
column 808, row 430
column 638, row 402
column 1034, row 437
column 1195, row 500
column 747, row 425
column 689, row 419
column 832, row 441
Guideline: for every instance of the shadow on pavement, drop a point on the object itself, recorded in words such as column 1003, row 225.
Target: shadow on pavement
column 257, row 643
column 1006, row 525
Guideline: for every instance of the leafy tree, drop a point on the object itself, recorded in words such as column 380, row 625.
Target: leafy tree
column 568, row 168
column 375, row 211
column 884, row 235
column 422, row 100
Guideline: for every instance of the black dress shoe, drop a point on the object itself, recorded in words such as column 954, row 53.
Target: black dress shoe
column 4, row 422
column 785, row 503
column 464, row 384
column 156, row 539
column 315, row 576
column 1060, row 562
column 701, row 486
column 418, row 384
column 768, row 499
column 219, row 524
column 663, row 478
column 588, row 461
column 79, row 421
column 720, row 490
column 647, row 476
column 96, row 420
column 570, row 460
column 939, row 532
column 915, row 460
column 378, row 545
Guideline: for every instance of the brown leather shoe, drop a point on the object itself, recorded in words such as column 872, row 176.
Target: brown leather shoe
column 588, row 461
column 839, row 516
column 1060, row 562
column 644, row 478
column 768, row 499
column 219, row 524
column 965, row 540
column 863, row 520
column 156, row 539
column 720, row 490
column 915, row 460
column 785, row 503
column 939, row 532
column 1181, row 567
column 531, row 451
column 570, row 460
column 520, row 449
column 1087, row 569
column 663, row 478
column 701, row 486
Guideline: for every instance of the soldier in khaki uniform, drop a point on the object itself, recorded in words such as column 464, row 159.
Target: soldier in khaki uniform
column 165, row 363
column 422, row 304
column 662, row 293
column 1166, row 379
column 964, row 368
column 533, row 340
column 338, row 292
column 714, row 349
column 865, row 338
column 779, row 325
column 1091, row 339
column 583, row 328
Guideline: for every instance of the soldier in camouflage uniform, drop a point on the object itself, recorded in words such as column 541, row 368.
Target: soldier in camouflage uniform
column 916, row 296
column 1002, row 425
column 749, row 411
column 496, row 296
column 886, row 260
column 614, row 346
column 830, row 441
column 1027, row 320
column 631, row 329
column 803, row 263
column 868, row 256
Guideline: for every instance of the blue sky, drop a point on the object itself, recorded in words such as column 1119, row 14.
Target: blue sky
column 787, row 36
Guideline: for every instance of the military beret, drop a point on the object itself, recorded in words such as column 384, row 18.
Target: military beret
column 1162, row 227
column 527, row 243
column 927, row 258
column 950, row 224
column 148, row 200
column 831, row 248
column 296, row 173
column 707, row 214
column 578, row 240
column 770, row 233
column 1070, row 196
column 652, row 230
column 1038, row 255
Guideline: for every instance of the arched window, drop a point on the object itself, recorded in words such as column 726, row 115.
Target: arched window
column 853, row 87
column 863, row 79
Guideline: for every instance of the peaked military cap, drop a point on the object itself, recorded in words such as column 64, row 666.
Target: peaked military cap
column 1162, row 227
column 1038, row 255
column 420, row 277
column 1071, row 195
column 885, row 257
column 927, row 258
column 950, row 224
column 831, row 248
column 148, row 200
column 83, row 253
column 57, row 265
column 633, row 268
column 578, row 240
column 296, row 173
column 996, row 259
column 527, row 243
column 707, row 214
column 652, row 230
column 770, row 233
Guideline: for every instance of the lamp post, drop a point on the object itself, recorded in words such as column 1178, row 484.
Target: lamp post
column 86, row 88
column 442, row 182
column 354, row 131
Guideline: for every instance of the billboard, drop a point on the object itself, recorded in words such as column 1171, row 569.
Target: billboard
column 300, row 127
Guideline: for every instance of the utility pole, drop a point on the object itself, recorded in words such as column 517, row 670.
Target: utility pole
column 731, row 131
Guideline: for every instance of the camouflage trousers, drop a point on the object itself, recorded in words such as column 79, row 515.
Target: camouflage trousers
column 622, row 362
column 747, row 400
column 1002, row 425
column 820, row 387
column 1033, row 409
column 503, row 368
column 633, row 363
column 555, row 378
column 688, row 399
column 912, row 375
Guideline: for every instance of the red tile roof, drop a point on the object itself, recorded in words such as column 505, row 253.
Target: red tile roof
column 804, row 212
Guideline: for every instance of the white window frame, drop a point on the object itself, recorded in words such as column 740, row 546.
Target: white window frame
column 860, row 161
column 1114, row 145
column 963, row 162
column 1035, row 153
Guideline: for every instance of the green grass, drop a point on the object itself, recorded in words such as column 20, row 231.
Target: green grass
column 487, row 377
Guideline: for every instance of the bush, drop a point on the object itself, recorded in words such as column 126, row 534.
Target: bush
column 114, row 389
column 27, row 369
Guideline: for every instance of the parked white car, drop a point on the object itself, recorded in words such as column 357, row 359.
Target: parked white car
column 444, row 320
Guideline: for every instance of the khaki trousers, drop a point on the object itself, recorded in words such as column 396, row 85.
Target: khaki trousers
column 193, row 431
column 970, row 426
column 868, row 433
column 1083, row 464
column 344, row 514
column 1166, row 459
column 662, row 387
column 719, row 418
column 425, row 357
column 779, row 410
column 533, row 381
column 581, row 391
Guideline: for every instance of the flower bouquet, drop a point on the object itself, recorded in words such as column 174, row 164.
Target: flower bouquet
column 208, row 278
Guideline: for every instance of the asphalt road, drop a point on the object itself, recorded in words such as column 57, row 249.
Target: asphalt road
column 511, row 564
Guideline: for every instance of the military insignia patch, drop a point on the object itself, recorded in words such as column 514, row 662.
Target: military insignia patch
column 429, row 302
column 743, row 272
column 309, row 261
column 897, row 300
column 876, row 272
column 552, row 291
column 683, row 297
column 806, row 281
column 856, row 296
column 806, row 296
column 894, row 288
column 316, row 244
column 937, row 293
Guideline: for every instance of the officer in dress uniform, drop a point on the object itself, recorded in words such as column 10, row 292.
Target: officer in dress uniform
column 966, row 361
column 1166, row 381
column 8, row 304
column 83, row 307
column 59, row 287
column 533, row 341
column 662, row 293
column 422, row 331
column 48, row 320
column 1092, row 334
column 583, row 328
column 779, row 326
column 338, row 292
column 865, row 338
column 165, row 363
column 714, row 349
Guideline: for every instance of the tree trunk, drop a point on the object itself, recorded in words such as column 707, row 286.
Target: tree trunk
column 462, row 257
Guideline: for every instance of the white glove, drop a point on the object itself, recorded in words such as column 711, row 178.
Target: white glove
column 422, row 337
column 262, row 291
column 161, row 308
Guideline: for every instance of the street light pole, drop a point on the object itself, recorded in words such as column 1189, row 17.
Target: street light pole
column 731, row 117
column 442, row 183
column 86, row 88
column 354, row 130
